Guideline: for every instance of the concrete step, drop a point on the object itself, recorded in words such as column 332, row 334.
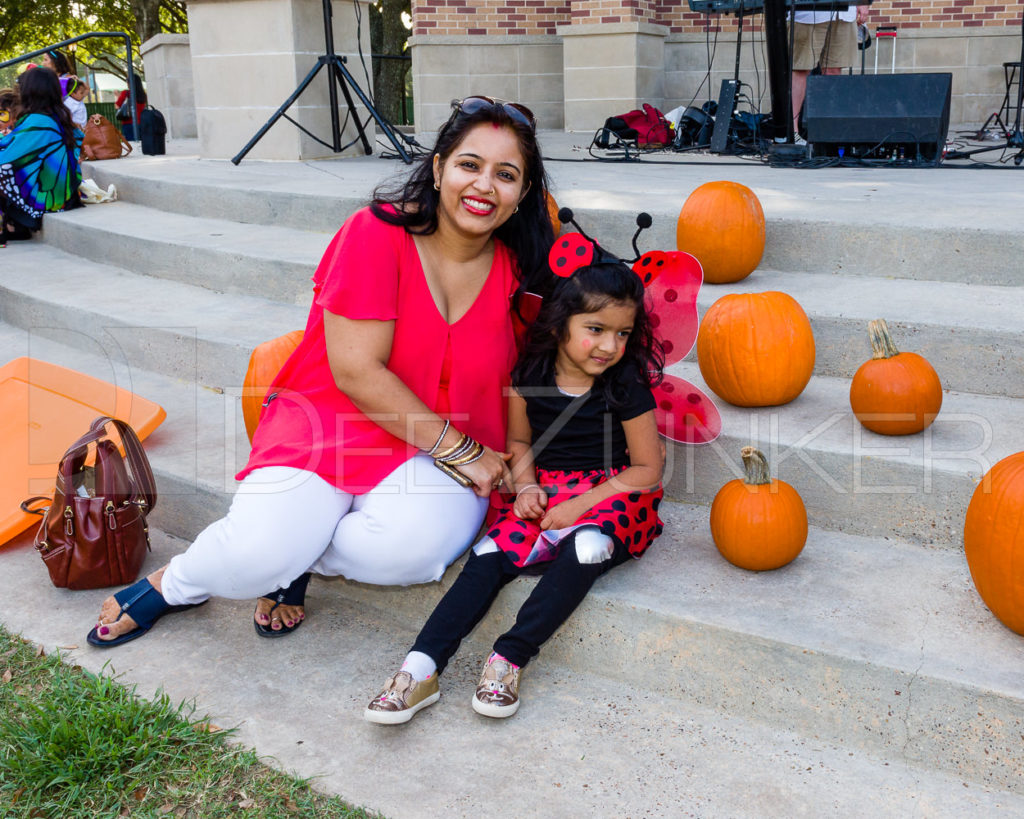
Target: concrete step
column 881, row 222
column 915, row 487
column 182, row 330
column 311, row 196
column 890, row 661
column 847, row 475
column 581, row 745
column 964, row 330
column 229, row 257
column 890, row 652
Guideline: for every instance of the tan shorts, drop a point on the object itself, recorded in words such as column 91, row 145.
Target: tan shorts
column 809, row 45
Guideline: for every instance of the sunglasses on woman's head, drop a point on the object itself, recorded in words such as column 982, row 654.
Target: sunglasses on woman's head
column 518, row 113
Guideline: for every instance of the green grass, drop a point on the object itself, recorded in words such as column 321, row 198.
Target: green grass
column 74, row 744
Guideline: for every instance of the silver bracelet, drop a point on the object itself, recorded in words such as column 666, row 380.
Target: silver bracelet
column 437, row 443
column 528, row 486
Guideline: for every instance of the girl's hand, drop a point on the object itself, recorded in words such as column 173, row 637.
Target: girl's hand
column 530, row 503
column 488, row 472
column 565, row 514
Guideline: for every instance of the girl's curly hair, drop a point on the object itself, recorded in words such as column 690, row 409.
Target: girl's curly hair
column 588, row 290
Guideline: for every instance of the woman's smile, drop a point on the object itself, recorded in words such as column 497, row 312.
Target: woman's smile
column 477, row 206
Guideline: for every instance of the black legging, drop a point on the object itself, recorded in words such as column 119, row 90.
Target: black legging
column 563, row 585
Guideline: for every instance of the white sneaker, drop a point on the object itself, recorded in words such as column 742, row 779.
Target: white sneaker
column 799, row 140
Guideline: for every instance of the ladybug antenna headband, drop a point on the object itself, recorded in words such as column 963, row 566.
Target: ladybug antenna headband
column 572, row 251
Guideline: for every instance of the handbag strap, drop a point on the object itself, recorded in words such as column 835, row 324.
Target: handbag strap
column 41, row 511
column 124, row 144
column 143, row 483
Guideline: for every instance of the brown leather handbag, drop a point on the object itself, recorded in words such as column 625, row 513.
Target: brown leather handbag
column 103, row 140
column 94, row 534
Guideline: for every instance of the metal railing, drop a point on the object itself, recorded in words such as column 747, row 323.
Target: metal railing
column 118, row 34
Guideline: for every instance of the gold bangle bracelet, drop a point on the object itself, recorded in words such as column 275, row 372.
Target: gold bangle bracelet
column 461, row 452
column 468, row 457
column 452, row 449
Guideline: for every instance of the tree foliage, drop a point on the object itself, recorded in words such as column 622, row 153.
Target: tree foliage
column 388, row 41
column 27, row 25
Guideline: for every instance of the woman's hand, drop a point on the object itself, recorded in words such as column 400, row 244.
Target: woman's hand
column 488, row 472
column 531, row 501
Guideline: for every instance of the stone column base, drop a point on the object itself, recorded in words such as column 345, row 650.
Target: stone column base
column 611, row 68
column 522, row 68
column 168, row 64
column 249, row 56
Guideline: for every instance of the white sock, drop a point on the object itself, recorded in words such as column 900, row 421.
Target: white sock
column 420, row 665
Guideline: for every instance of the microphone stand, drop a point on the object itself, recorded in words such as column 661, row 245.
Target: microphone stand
column 337, row 73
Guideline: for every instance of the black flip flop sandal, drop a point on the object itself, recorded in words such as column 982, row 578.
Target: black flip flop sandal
column 294, row 595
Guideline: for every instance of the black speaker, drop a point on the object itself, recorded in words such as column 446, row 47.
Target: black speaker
column 878, row 115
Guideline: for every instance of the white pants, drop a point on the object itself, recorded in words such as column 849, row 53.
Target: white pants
column 285, row 521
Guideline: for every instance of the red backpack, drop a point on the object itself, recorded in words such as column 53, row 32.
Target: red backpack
column 650, row 125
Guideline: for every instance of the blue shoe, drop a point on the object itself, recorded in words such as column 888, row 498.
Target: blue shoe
column 145, row 604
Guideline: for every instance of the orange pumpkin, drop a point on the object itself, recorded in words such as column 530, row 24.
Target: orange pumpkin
column 264, row 365
column 722, row 224
column 894, row 393
column 994, row 541
column 757, row 523
column 553, row 213
column 756, row 349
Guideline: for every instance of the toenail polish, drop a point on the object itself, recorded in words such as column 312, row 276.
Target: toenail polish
column 104, row 630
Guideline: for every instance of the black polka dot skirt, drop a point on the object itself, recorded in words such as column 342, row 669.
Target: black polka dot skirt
column 630, row 518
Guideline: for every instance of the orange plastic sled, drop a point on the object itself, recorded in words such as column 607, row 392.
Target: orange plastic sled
column 43, row 410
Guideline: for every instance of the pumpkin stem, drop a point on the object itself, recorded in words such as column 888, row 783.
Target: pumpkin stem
column 756, row 467
column 882, row 345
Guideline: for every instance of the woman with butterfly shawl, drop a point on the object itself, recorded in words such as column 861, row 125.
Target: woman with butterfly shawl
column 39, row 170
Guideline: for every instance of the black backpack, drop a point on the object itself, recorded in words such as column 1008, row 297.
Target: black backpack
column 152, row 128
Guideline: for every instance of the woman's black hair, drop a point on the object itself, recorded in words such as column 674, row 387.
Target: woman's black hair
column 527, row 233
column 588, row 290
column 61, row 64
column 39, row 90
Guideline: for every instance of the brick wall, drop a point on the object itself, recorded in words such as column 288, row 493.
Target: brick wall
column 460, row 17
column 901, row 13
column 507, row 17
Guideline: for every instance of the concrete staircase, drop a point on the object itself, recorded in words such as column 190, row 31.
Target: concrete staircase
column 866, row 678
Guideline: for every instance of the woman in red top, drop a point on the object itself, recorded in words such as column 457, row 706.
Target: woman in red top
column 405, row 358
column 141, row 101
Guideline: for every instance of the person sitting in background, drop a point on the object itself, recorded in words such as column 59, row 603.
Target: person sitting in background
column 57, row 63
column 128, row 125
column 74, row 102
column 10, row 105
column 39, row 171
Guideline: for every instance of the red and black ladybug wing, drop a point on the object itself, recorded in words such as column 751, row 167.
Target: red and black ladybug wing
column 672, row 279
column 684, row 412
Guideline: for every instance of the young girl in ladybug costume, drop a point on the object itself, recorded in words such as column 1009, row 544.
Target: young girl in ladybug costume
column 587, row 465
